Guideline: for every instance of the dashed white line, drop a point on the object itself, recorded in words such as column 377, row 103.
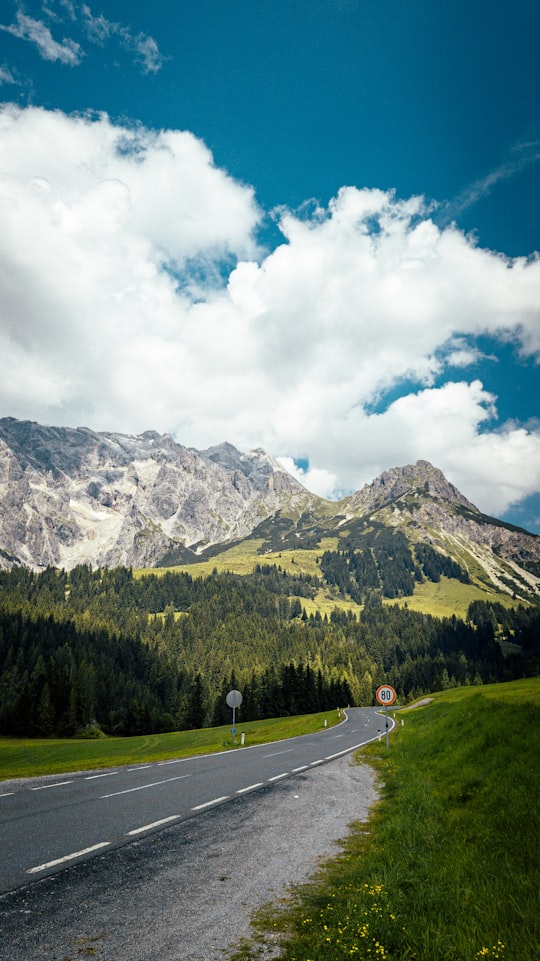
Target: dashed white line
column 278, row 776
column 275, row 754
column 142, row 787
column 45, row 787
column 7, row 793
column 68, row 857
column 303, row 767
column 207, row 804
column 313, row 763
column 140, row 767
column 251, row 787
column 155, row 824
column 94, row 777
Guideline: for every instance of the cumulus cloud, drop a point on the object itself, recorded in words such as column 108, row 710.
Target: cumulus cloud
column 135, row 297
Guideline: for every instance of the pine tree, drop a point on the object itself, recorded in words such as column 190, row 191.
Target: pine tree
column 196, row 712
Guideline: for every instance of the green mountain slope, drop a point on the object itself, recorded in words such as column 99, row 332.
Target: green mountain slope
column 407, row 529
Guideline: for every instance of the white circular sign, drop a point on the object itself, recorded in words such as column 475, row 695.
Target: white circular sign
column 385, row 695
column 234, row 699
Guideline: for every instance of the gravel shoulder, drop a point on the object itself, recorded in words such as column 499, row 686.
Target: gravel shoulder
column 188, row 892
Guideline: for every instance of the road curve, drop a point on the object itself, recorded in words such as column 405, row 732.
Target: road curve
column 50, row 823
column 188, row 891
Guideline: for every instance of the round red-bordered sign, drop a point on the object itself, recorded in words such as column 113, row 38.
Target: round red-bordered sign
column 385, row 695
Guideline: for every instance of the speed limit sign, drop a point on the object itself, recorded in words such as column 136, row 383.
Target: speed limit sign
column 385, row 695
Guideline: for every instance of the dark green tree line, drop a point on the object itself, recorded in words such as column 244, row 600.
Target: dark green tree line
column 154, row 653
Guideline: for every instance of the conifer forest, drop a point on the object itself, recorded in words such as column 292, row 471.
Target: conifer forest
column 105, row 650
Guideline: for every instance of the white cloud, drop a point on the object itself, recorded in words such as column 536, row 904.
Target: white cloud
column 460, row 353
column 113, row 313
column 321, row 482
column 147, row 52
column 523, row 155
column 6, row 75
column 99, row 30
column 445, row 424
column 35, row 31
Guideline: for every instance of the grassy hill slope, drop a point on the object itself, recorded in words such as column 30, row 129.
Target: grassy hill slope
column 447, row 868
column 441, row 599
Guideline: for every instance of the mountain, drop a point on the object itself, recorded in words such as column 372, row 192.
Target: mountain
column 419, row 500
column 76, row 496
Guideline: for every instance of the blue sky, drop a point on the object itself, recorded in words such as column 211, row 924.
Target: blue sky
column 307, row 226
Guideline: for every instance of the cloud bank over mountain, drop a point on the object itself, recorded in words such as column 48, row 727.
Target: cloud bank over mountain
column 138, row 294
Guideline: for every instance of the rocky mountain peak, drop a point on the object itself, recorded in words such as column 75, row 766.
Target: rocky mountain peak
column 71, row 496
column 262, row 470
column 417, row 480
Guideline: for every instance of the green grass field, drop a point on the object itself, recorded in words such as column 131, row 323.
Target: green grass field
column 442, row 599
column 447, row 868
column 448, row 597
column 25, row 757
column 242, row 559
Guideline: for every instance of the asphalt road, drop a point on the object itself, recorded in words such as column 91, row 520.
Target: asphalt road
column 47, row 824
column 189, row 890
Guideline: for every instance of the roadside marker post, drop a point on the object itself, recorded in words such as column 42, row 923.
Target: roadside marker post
column 386, row 695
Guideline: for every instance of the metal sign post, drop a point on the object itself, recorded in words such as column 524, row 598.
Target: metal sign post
column 386, row 695
column 234, row 700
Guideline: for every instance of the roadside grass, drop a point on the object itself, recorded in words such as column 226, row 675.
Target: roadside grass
column 447, row 867
column 33, row 757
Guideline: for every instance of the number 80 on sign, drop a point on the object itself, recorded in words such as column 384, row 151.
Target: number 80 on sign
column 385, row 695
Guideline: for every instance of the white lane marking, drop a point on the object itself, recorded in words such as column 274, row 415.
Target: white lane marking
column 44, row 787
column 7, row 793
column 353, row 748
column 93, row 777
column 303, row 767
column 176, row 760
column 155, row 824
column 140, row 767
column 331, row 757
column 199, row 807
column 313, row 763
column 68, row 857
column 251, row 787
column 275, row 754
column 278, row 776
column 338, row 735
column 143, row 787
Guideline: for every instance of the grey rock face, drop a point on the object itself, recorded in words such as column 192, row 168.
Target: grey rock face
column 76, row 496
column 420, row 480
